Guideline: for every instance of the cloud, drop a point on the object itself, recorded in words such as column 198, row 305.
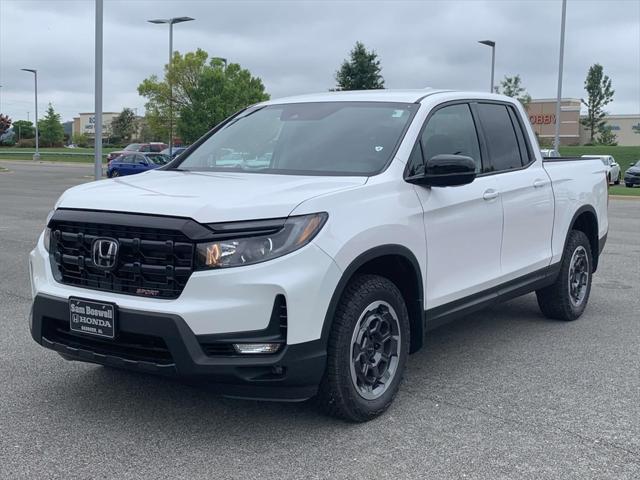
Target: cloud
column 296, row 46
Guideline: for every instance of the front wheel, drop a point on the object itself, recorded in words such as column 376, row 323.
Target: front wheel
column 567, row 298
column 115, row 174
column 367, row 350
column 628, row 185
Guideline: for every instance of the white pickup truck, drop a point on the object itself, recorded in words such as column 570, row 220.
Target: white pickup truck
column 305, row 246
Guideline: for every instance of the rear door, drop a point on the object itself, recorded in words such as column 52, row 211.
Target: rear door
column 117, row 164
column 525, row 188
column 463, row 224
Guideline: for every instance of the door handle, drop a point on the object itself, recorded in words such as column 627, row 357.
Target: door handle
column 539, row 183
column 490, row 194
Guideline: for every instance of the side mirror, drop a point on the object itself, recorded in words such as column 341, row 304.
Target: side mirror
column 446, row 171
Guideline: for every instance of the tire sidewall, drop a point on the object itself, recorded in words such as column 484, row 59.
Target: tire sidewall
column 577, row 239
column 392, row 296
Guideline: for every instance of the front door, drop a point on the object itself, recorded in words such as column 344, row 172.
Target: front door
column 463, row 224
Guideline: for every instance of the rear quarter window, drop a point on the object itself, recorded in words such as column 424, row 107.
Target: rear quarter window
column 500, row 135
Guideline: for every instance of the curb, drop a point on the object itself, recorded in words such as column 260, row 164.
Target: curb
column 625, row 197
column 46, row 162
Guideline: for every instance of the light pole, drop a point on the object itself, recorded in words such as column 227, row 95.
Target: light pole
column 492, row 44
column 171, row 22
column 36, row 156
column 97, row 146
column 556, row 139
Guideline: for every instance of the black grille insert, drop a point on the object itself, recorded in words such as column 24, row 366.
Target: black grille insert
column 151, row 262
column 129, row 346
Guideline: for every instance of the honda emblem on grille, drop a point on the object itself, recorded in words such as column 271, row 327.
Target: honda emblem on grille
column 104, row 253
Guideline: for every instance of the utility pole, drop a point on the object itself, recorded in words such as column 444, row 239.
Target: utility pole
column 556, row 140
column 98, row 92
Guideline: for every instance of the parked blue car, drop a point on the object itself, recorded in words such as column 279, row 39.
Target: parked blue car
column 175, row 152
column 132, row 163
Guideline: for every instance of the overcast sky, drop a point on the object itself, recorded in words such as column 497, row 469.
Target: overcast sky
column 296, row 46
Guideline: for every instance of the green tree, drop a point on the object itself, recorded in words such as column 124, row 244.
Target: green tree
column 5, row 123
column 599, row 94
column 512, row 87
column 361, row 71
column 124, row 125
column 81, row 140
column 50, row 129
column 144, row 132
column 205, row 92
column 607, row 137
column 24, row 129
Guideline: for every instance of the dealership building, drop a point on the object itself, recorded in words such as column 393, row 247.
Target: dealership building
column 86, row 123
column 542, row 115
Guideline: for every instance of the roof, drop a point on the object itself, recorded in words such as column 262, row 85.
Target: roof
column 383, row 95
column 549, row 100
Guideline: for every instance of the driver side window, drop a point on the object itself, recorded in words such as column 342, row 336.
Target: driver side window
column 451, row 130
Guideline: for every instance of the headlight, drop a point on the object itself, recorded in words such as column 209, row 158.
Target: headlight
column 295, row 233
column 46, row 239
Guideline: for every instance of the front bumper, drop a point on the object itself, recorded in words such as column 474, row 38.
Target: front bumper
column 160, row 343
column 629, row 180
column 226, row 300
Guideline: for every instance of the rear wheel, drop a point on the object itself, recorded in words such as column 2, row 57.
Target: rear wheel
column 367, row 350
column 567, row 298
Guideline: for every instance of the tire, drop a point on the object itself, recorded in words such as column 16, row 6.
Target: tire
column 371, row 308
column 115, row 174
column 628, row 185
column 617, row 182
column 559, row 301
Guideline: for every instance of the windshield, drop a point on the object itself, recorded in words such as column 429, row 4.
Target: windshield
column 158, row 159
column 329, row 138
column 132, row 148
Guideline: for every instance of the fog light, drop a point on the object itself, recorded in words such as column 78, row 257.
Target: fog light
column 256, row 347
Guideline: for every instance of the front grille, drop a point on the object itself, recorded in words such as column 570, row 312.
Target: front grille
column 151, row 262
column 129, row 346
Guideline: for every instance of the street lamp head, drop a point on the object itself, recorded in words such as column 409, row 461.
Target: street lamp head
column 29, row 70
column 489, row 43
column 181, row 19
column 171, row 21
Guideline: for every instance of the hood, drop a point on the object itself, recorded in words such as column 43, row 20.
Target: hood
column 205, row 197
column 633, row 169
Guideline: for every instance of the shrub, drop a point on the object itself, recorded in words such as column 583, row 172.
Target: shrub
column 27, row 143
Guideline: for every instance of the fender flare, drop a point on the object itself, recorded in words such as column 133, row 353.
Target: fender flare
column 595, row 250
column 417, row 337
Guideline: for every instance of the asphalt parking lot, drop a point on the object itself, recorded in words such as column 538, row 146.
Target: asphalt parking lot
column 504, row 393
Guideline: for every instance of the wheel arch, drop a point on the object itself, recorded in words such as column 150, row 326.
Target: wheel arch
column 586, row 220
column 398, row 264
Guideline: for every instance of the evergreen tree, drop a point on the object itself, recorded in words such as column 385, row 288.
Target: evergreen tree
column 361, row 71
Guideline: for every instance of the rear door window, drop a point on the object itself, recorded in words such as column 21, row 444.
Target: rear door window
column 502, row 142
